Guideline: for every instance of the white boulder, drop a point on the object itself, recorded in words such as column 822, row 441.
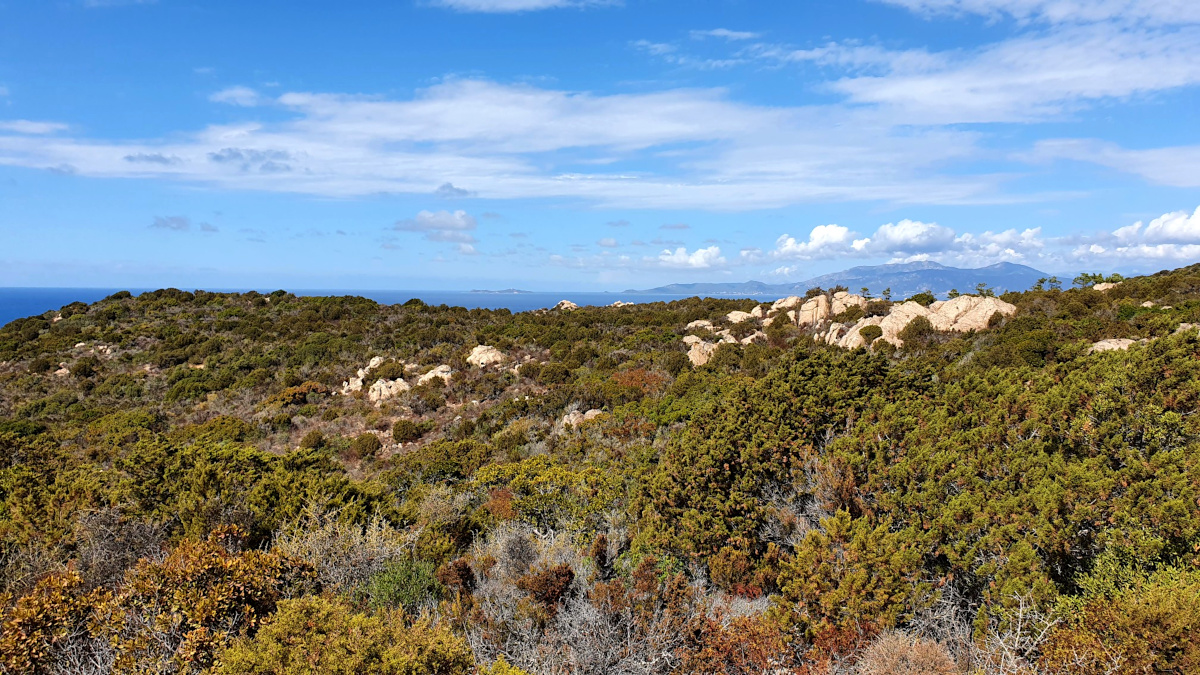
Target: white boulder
column 383, row 390
column 566, row 306
column 967, row 312
column 486, row 355
column 701, row 352
column 1112, row 345
column 757, row 336
column 576, row 418
column 690, row 340
column 813, row 312
column 699, row 324
column 738, row 317
column 790, row 302
column 843, row 301
column 443, row 371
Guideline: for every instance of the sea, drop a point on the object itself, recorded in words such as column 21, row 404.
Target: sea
column 18, row 303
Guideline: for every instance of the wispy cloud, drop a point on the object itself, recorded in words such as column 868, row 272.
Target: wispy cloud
column 32, row 128
column 515, row 141
column 180, row 224
column 509, row 6
column 724, row 33
column 241, row 96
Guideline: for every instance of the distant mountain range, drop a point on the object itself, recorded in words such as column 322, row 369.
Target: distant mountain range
column 904, row 280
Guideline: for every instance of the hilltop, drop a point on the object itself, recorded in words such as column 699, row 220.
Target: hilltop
column 231, row 483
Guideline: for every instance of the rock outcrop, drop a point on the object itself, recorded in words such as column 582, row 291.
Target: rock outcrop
column 576, row 418
column 690, row 340
column 1105, row 286
column 738, row 317
column 566, row 306
column 962, row 314
column 843, row 301
column 701, row 352
column 756, row 337
column 790, row 302
column 813, row 312
column 699, row 324
column 486, row 355
column 382, row 390
column 356, row 383
column 1112, row 345
column 443, row 371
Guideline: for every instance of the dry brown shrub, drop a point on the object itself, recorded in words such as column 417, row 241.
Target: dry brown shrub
column 894, row 653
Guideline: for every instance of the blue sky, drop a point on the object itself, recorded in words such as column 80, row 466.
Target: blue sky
column 573, row 144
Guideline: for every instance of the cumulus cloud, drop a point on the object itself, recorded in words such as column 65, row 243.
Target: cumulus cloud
column 1171, row 238
column 824, row 241
column 703, row 258
column 906, row 237
column 911, row 240
column 442, row 226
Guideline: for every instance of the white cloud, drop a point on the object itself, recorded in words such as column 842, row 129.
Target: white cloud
column 906, row 237
column 1178, row 227
column 3, row 91
column 243, row 96
column 724, row 33
column 909, row 240
column 824, row 241
column 442, row 226
column 1033, row 76
column 607, row 242
column 33, row 128
column 704, row 258
column 508, row 6
column 515, row 142
column 1064, row 11
column 1175, row 166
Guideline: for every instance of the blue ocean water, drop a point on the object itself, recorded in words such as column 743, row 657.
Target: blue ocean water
column 17, row 303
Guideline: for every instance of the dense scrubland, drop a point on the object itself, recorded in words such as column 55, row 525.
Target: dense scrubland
column 187, row 486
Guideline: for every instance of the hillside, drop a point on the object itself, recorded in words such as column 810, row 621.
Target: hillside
column 240, row 483
column 901, row 280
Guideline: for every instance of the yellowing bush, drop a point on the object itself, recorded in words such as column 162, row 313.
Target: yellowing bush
column 321, row 636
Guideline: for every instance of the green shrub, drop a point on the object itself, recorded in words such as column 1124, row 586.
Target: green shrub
column 407, row 583
column 554, row 373
column 365, row 447
column 918, row 333
column 870, row 333
column 313, row 440
column 407, row 431
column 924, row 298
